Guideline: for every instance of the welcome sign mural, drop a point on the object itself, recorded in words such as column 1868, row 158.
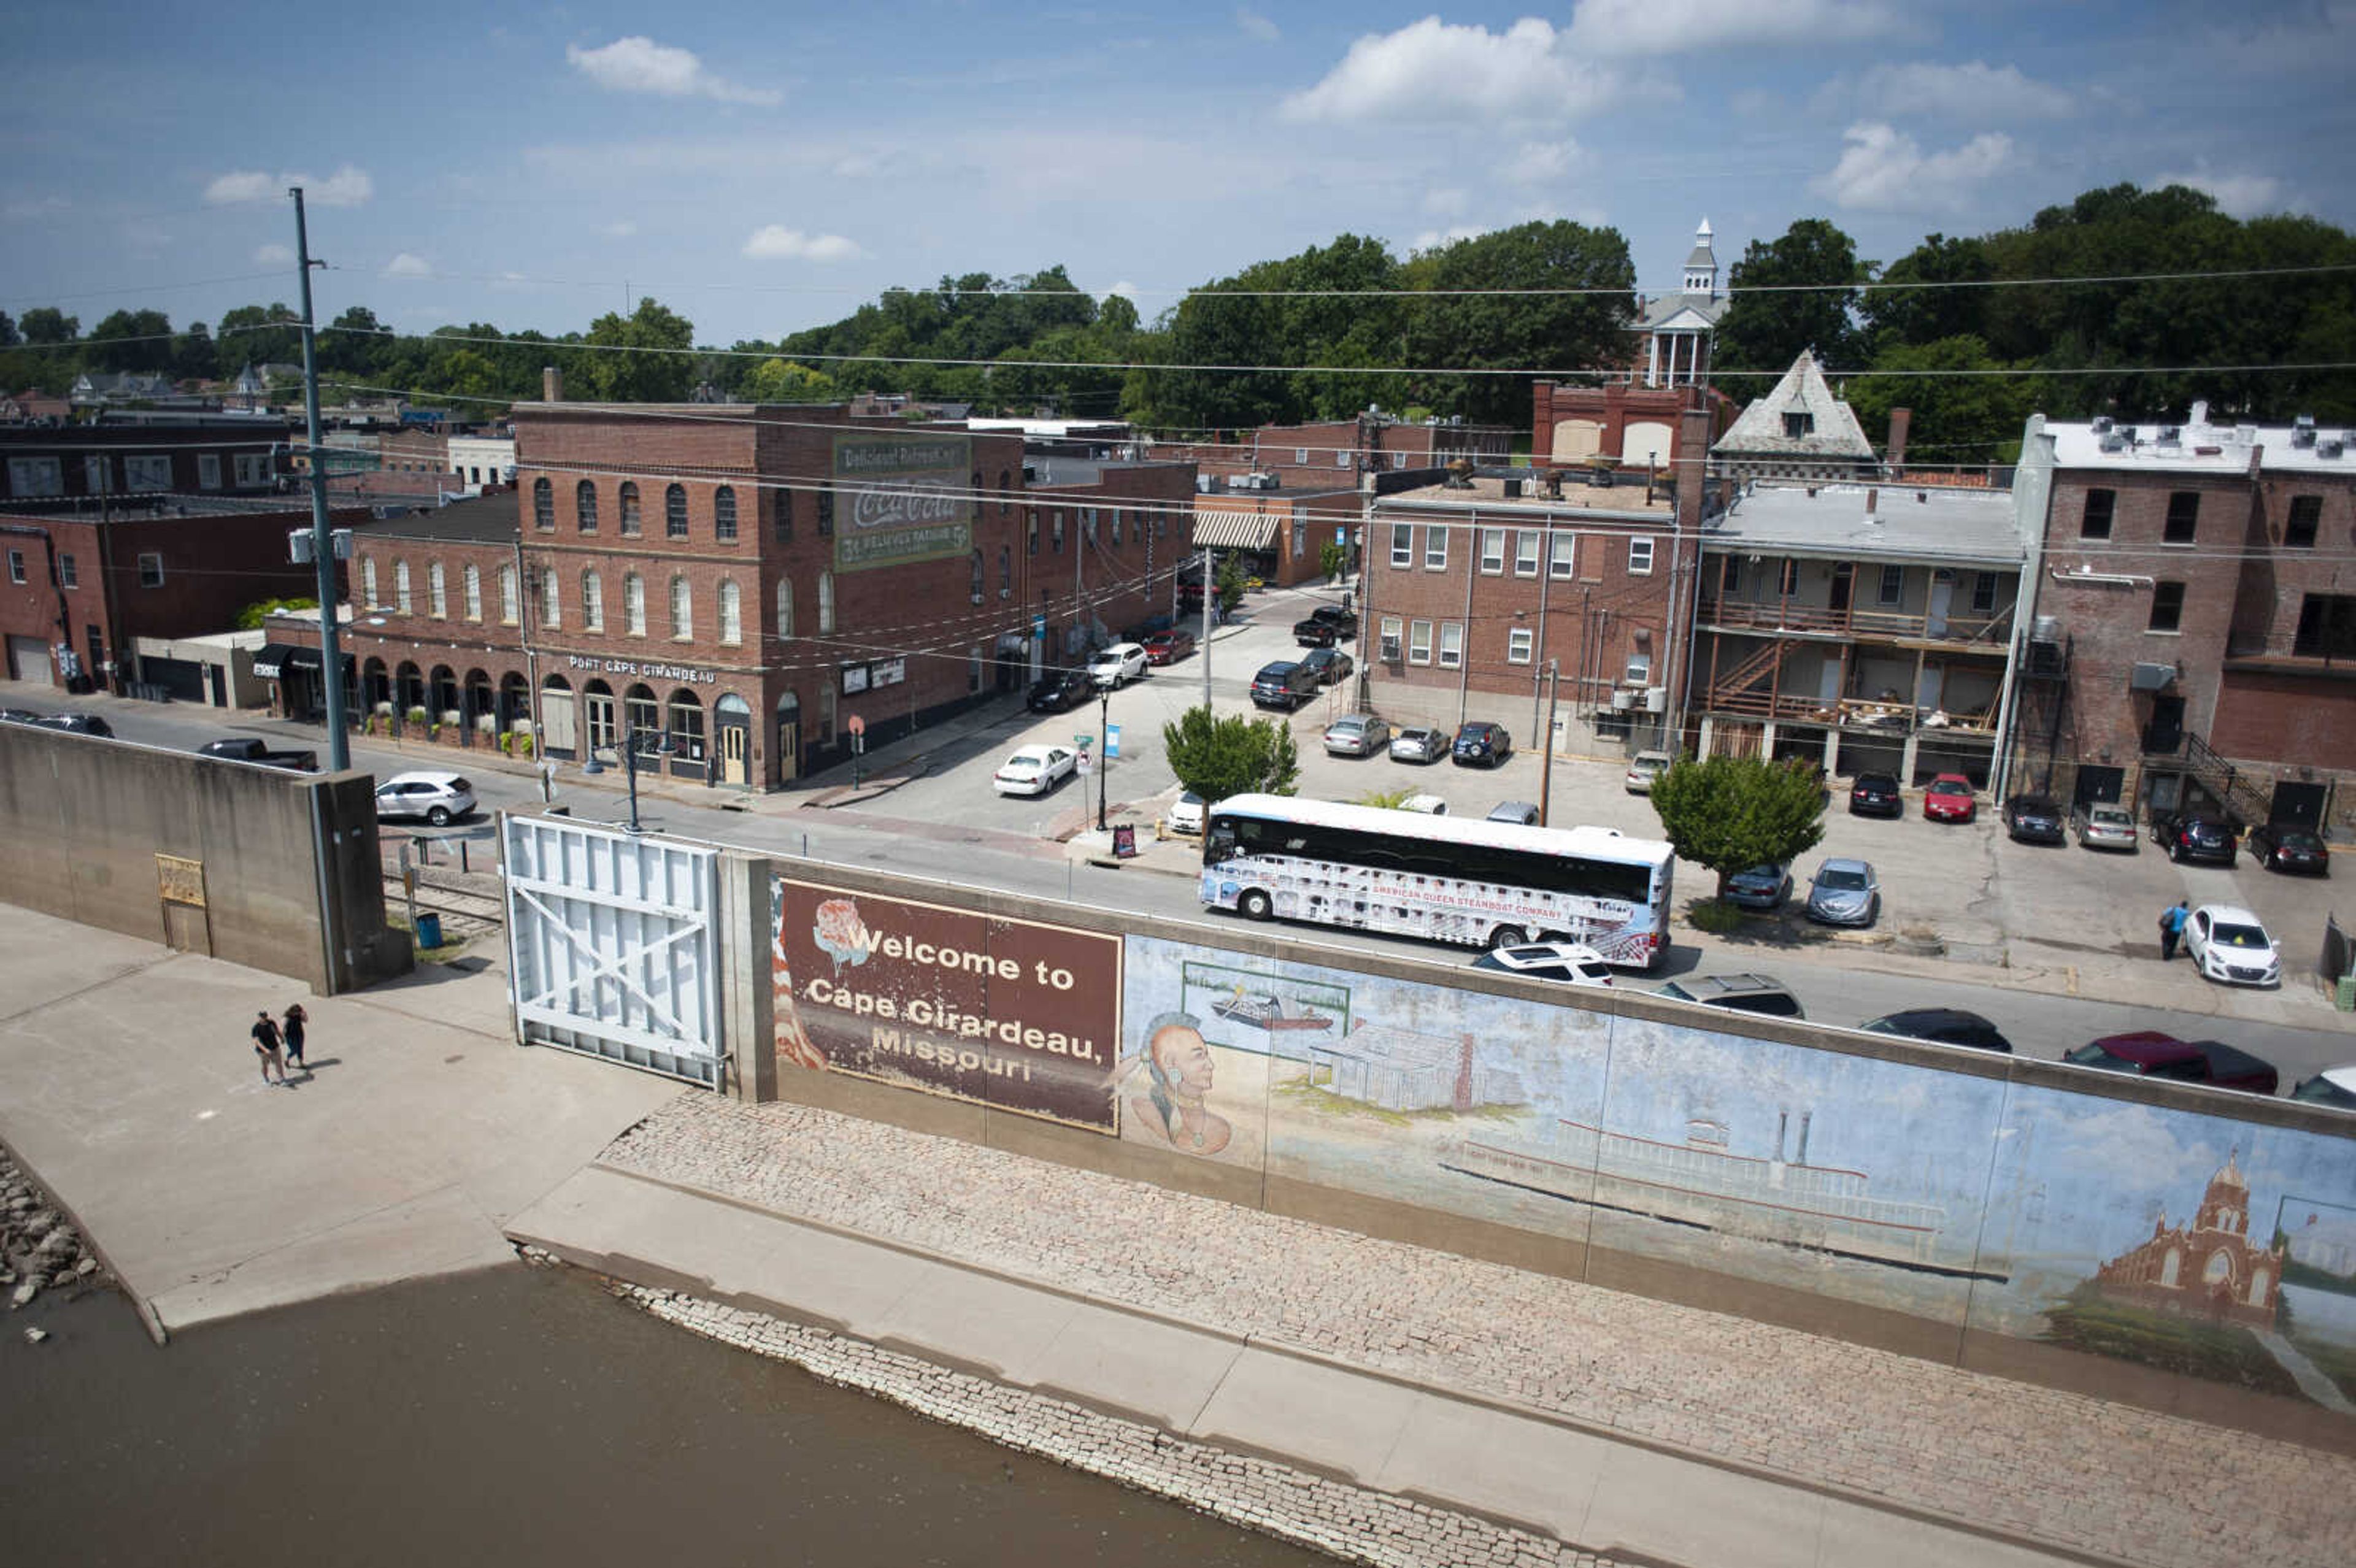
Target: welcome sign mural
column 909, row 498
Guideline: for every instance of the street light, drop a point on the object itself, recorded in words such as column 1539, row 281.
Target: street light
column 1104, row 750
column 630, row 767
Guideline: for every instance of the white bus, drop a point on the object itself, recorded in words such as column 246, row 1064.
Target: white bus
column 1481, row 884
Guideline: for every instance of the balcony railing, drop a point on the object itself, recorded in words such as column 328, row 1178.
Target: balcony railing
column 1848, row 712
column 1789, row 615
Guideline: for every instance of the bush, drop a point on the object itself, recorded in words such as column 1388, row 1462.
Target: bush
column 1714, row 917
column 418, row 716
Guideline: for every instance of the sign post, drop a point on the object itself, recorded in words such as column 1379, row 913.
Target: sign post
column 858, row 728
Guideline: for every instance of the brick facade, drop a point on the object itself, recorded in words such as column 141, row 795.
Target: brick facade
column 188, row 456
column 1568, row 425
column 1109, row 551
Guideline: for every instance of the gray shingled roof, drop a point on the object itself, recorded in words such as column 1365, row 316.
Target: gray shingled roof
column 1759, row 429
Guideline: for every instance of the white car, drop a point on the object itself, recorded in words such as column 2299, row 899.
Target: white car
column 1644, row 768
column 1566, row 963
column 438, row 797
column 1186, row 815
column 1035, row 770
column 1118, row 665
column 2229, row 946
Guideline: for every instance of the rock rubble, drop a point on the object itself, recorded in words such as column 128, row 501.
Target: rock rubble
column 38, row 1249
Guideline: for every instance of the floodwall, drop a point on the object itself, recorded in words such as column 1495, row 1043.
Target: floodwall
column 2187, row 1250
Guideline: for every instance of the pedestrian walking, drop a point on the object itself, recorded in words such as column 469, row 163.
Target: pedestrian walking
column 266, row 1045
column 292, row 1031
column 2172, row 928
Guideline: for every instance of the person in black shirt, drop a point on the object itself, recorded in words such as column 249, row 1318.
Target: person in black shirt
column 266, row 1047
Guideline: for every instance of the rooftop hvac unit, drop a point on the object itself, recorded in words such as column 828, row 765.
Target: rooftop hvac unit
column 1656, row 698
column 1623, row 701
column 2171, row 435
column 2336, row 447
column 2302, row 431
column 2116, row 441
column 2102, row 424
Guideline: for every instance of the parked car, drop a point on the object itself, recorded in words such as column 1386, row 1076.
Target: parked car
column 1187, row 815
column 2101, row 826
column 1949, row 798
column 2332, row 1086
column 1329, row 665
column 1425, row 805
column 1759, row 994
column 1418, row 743
column 1356, row 735
column 1644, row 768
column 1324, row 626
column 20, row 716
column 2231, row 946
column 1520, row 813
column 1760, row 887
column 1286, row 684
column 2151, row 1054
column 439, row 797
column 1478, row 741
column 1944, row 1026
column 1035, row 770
column 1167, row 647
column 2034, row 819
column 1060, row 691
column 2190, row 837
column 2280, row 848
column 1566, row 963
column 1843, row 893
column 1118, row 664
column 253, row 749
column 77, row 724
column 1876, row 794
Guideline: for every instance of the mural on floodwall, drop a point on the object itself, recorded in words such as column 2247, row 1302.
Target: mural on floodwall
column 2194, row 1243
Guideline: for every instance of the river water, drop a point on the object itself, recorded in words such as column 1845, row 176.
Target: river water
column 521, row 1416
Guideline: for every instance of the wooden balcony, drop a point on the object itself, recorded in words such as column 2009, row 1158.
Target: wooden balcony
column 1848, row 712
column 1792, row 617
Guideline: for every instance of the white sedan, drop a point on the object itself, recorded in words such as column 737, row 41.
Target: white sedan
column 1118, row 664
column 1035, row 770
column 2229, row 946
column 1565, row 963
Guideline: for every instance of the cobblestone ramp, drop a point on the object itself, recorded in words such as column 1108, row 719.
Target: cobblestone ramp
column 2032, row 1461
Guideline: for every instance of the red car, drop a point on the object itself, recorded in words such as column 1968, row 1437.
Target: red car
column 1164, row 647
column 1949, row 799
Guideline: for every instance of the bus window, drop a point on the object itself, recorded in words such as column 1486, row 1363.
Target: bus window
column 1219, row 843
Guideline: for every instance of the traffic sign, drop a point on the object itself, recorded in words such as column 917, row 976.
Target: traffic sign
column 1084, row 742
column 856, row 725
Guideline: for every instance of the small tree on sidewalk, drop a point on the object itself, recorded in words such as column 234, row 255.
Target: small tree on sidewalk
column 1219, row 757
column 1731, row 814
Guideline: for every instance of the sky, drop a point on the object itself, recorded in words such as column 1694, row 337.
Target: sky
column 762, row 168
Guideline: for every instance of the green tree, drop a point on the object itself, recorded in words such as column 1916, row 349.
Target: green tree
column 1235, row 755
column 1911, row 314
column 131, row 340
column 47, row 324
column 1516, row 331
column 1230, row 582
column 8, row 330
column 1731, row 814
column 260, row 334
column 195, row 355
column 652, row 366
column 1965, row 419
column 1767, row 331
column 784, row 381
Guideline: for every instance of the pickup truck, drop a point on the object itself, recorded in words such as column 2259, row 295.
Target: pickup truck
column 1324, row 626
column 2156, row 1055
column 250, row 749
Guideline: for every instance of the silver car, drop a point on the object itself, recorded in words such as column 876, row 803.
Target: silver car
column 1843, row 893
column 1418, row 743
column 1357, row 735
column 2102, row 826
column 438, row 797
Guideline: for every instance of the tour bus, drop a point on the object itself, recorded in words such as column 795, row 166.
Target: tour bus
column 1446, row 879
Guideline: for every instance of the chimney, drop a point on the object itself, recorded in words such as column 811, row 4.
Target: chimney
column 1899, row 419
column 1872, row 501
column 551, row 385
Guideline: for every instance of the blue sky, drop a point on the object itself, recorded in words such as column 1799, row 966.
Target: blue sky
column 766, row 168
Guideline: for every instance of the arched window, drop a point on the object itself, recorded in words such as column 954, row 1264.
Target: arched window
column 732, row 613
column 785, row 607
column 472, row 579
column 593, row 601
column 630, row 508
column 437, row 592
column 1005, row 493
column 551, row 598
column 1116, row 528
column 367, row 581
column 723, row 515
column 633, row 605
column 974, row 578
column 400, row 586
column 826, row 603
column 543, row 504
column 1005, row 570
column 585, row 505
column 643, row 714
column 511, row 610
column 675, row 512
column 686, row 726
column 682, row 609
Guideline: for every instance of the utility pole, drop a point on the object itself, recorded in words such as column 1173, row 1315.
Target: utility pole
column 1206, row 628
column 323, row 544
column 1546, row 746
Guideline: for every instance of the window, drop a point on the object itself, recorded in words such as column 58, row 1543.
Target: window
column 2095, row 524
column 584, row 506
column 401, row 587
column 784, row 527
column 1392, row 628
column 675, row 512
column 68, row 574
column 682, row 610
column 633, row 605
column 1640, row 669
column 644, row 716
column 146, row 473
column 1799, row 422
column 785, row 608
column 551, row 598
column 98, row 475
column 686, row 727
column 1398, row 460
column 2327, row 627
column 1435, row 548
column 1300, row 456
column 209, row 471
column 1984, row 588
column 1402, row 547
column 631, row 521
column 1055, row 532
column 1342, row 458
column 151, row 569
column 732, row 612
column 2183, row 517
column 437, row 592
column 1005, row 571
column 1493, row 551
column 368, row 584
column 1893, row 586
column 2167, row 606
column 1088, row 525
column 1520, row 644
column 1451, row 645
column 1730, row 576
column 2305, row 520
column 29, row 477
column 825, row 603
column 1299, row 532
column 253, row 470
column 975, row 574
column 1005, row 493
column 826, row 509
column 593, row 601
column 510, row 607
column 1418, row 642
column 1161, row 525
column 543, row 504
column 1031, row 529
column 1640, row 558
column 472, row 581
column 723, row 515
column 16, row 566
column 1525, row 554
column 1562, row 551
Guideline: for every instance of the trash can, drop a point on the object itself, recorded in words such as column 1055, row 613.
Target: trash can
column 2343, row 995
column 429, row 930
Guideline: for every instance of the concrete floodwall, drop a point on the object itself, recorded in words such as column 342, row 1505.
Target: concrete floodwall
column 2188, row 1250
column 275, row 871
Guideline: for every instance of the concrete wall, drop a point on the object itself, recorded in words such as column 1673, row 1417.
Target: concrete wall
column 1970, row 1209
column 291, row 879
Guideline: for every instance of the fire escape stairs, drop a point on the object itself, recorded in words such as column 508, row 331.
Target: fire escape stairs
column 2243, row 801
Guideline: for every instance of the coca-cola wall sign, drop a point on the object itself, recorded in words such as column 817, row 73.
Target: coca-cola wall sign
column 905, row 497
column 1008, row 1013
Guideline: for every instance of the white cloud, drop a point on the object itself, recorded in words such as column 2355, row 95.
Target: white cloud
column 1434, row 69
column 274, row 256
column 1538, row 162
column 2239, row 195
column 638, row 64
column 621, row 230
column 1677, row 27
column 347, row 186
column 1256, row 25
column 241, row 185
column 35, row 206
column 1124, row 288
column 1972, row 91
column 776, row 242
column 1431, row 239
column 406, row 265
column 1883, row 169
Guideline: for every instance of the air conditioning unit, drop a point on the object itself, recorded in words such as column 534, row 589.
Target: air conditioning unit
column 1623, row 701
column 1656, row 698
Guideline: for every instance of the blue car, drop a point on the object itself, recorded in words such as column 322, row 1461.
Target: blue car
column 1482, row 743
column 1760, row 888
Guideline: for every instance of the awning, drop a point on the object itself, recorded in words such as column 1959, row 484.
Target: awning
column 1234, row 530
column 273, row 656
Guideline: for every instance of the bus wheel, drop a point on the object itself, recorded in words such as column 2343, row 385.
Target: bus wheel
column 1254, row 905
column 1506, row 936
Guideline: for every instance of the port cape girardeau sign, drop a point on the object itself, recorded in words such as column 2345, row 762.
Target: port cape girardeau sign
column 1017, row 1015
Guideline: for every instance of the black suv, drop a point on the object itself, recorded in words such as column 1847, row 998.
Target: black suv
column 1945, row 1025
column 2190, row 837
column 2034, row 819
column 1876, row 794
column 1060, row 691
column 1477, row 742
column 1284, row 684
column 1324, row 626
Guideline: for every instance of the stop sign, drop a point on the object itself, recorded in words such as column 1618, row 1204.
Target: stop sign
column 856, row 725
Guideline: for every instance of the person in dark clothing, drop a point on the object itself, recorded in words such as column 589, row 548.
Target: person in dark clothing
column 266, row 1047
column 293, row 1030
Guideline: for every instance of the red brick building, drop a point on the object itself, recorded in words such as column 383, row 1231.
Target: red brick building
column 1281, row 534
column 2208, row 1268
column 1339, row 453
column 1103, row 541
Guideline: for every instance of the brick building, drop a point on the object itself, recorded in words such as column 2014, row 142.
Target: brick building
column 2194, row 629
column 1339, row 453
column 1103, row 541
column 143, row 453
column 2208, row 1268
column 1279, row 533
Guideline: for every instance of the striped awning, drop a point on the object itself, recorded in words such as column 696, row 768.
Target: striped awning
column 1234, row 530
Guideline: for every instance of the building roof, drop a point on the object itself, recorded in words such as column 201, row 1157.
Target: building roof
column 1902, row 523
column 2199, row 445
column 486, row 519
column 1665, row 311
column 1626, row 499
column 1759, row 429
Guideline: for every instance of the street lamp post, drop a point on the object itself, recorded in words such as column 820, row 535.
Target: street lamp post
column 630, row 767
column 1104, row 750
